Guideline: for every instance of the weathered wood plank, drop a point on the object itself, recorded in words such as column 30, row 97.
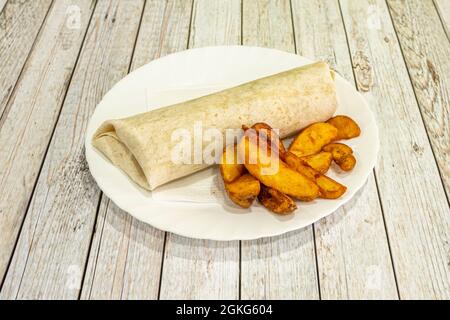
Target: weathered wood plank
column 19, row 25
column 205, row 269
column 282, row 267
column 126, row 256
column 413, row 198
column 33, row 110
column 53, row 246
column 351, row 245
column 2, row 5
column 443, row 8
column 426, row 50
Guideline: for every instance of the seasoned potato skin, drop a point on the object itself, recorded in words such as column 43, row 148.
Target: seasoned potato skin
column 346, row 126
column 283, row 179
column 328, row 188
column 230, row 170
column 274, row 175
column 312, row 139
column 244, row 190
column 276, row 201
column 320, row 161
column 271, row 135
column 342, row 155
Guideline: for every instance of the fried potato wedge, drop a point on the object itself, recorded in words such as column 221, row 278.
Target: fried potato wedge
column 274, row 173
column 328, row 188
column 276, row 201
column 244, row 190
column 272, row 136
column 312, row 139
column 346, row 126
column 230, row 169
column 320, row 161
column 342, row 155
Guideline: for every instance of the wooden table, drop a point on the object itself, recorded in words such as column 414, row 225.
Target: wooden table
column 60, row 237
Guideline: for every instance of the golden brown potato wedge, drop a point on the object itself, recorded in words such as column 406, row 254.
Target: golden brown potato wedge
column 230, row 169
column 320, row 161
column 274, row 173
column 329, row 188
column 271, row 135
column 276, row 201
column 312, row 139
column 342, row 155
column 244, row 190
column 346, row 126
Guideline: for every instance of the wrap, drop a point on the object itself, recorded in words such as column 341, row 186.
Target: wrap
column 289, row 101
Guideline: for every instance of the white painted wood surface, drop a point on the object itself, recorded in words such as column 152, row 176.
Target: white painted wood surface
column 33, row 110
column 126, row 255
column 19, row 25
column 51, row 253
column 2, row 4
column 390, row 241
column 205, row 269
column 443, row 8
column 351, row 244
column 413, row 199
column 426, row 50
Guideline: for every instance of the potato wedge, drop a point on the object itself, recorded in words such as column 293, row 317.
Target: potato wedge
column 342, row 155
column 312, row 139
column 274, row 173
column 272, row 136
column 346, row 126
column 328, row 188
column 276, row 201
column 320, row 161
column 244, row 190
column 230, row 169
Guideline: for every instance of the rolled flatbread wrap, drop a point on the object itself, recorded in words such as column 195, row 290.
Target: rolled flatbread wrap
column 289, row 101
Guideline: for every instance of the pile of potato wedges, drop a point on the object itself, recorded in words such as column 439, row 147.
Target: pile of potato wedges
column 259, row 165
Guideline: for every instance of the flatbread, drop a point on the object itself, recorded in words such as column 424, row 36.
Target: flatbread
column 142, row 145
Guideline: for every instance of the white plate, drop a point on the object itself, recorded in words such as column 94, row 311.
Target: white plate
column 191, row 73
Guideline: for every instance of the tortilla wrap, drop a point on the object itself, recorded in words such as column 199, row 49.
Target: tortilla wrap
column 289, row 101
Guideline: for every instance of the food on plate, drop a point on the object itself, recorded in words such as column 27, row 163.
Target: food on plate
column 276, row 201
column 301, row 100
column 273, row 172
column 312, row 139
column 342, row 155
column 142, row 145
column 320, row 161
column 328, row 188
column 230, row 168
column 271, row 136
column 244, row 190
column 346, row 126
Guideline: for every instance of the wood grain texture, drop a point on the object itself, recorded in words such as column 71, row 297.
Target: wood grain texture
column 19, row 25
column 33, row 110
column 53, row 246
column 282, row 267
column 205, row 269
column 443, row 8
column 126, row 255
column 2, row 5
column 351, row 245
column 426, row 50
column 413, row 199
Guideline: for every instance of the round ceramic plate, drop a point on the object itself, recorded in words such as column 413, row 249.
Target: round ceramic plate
column 195, row 206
